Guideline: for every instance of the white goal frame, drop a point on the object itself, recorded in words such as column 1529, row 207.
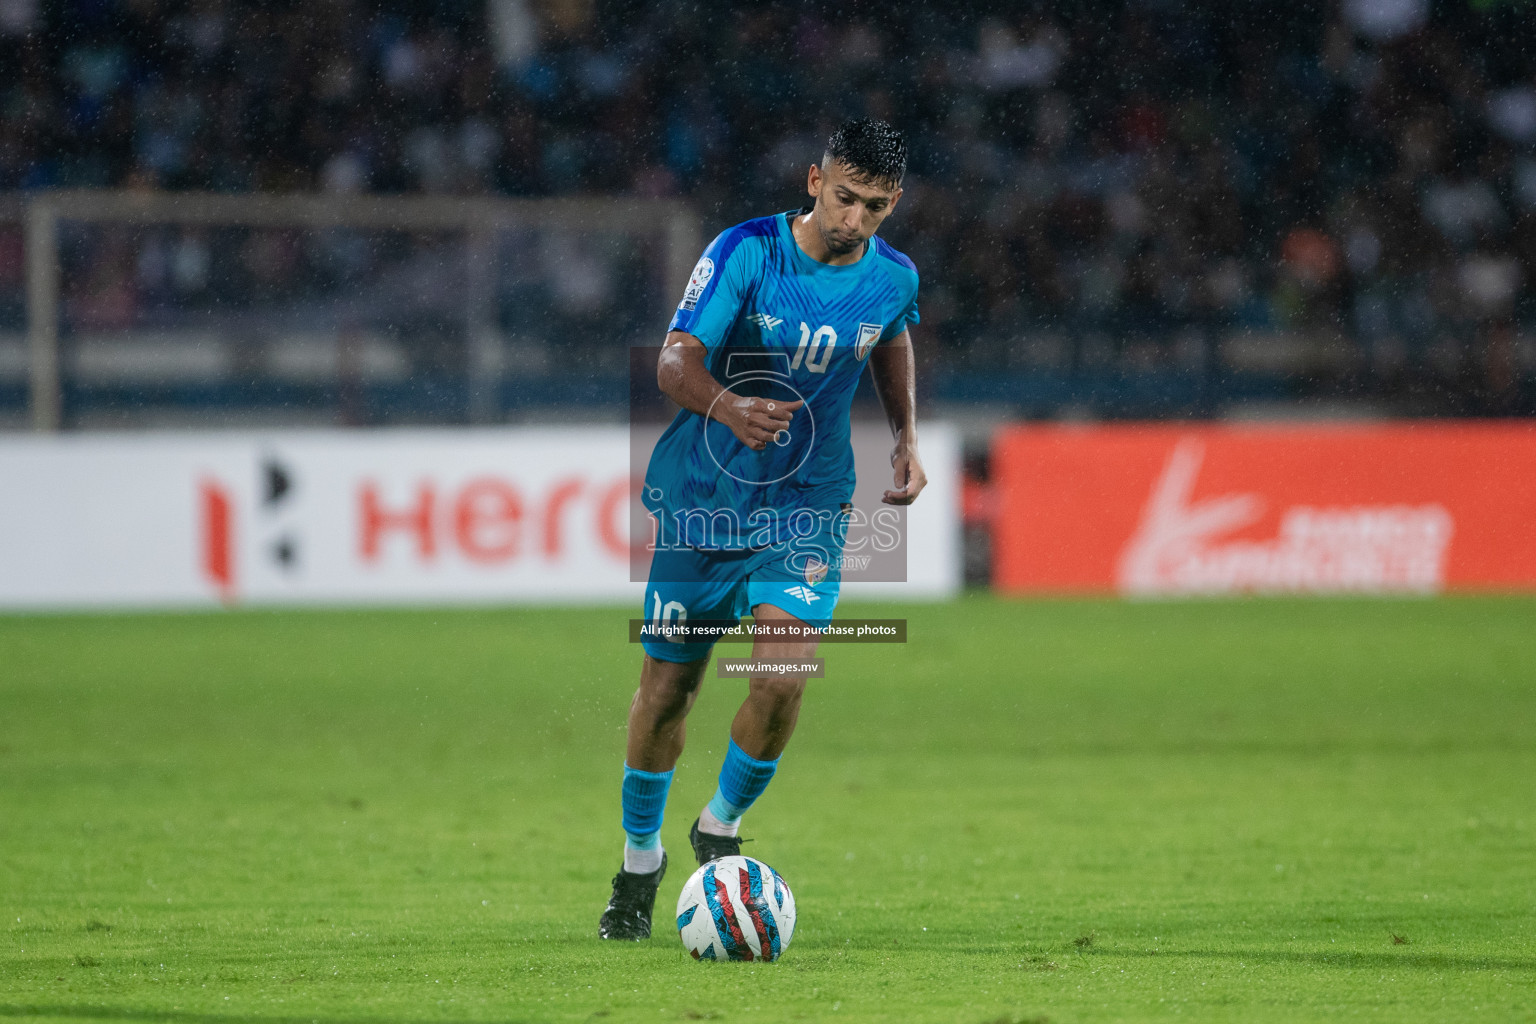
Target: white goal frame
column 479, row 219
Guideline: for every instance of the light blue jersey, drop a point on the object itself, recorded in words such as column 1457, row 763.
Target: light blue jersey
column 780, row 325
column 739, row 528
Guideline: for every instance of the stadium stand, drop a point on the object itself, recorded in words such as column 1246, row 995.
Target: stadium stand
column 1119, row 209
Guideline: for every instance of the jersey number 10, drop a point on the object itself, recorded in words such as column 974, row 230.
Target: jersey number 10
column 813, row 344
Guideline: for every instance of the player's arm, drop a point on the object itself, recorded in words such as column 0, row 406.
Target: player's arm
column 895, row 372
column 682, row 375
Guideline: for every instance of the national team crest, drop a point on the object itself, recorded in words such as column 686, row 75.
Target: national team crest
column 868, row 335
column 815, row 570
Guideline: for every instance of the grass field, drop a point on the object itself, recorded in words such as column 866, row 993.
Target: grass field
column 1078, row 811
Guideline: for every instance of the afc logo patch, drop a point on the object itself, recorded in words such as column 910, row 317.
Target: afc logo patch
column 702, row 272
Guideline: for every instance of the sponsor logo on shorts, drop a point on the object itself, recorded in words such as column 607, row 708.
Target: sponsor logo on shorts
column 805, row 594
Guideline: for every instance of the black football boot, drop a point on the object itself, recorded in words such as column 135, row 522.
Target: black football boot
column 628, row 915
column 708, row 847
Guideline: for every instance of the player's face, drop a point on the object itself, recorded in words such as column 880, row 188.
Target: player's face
column 848, row 210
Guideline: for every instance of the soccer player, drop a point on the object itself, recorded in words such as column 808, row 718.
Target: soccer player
column 751, row 483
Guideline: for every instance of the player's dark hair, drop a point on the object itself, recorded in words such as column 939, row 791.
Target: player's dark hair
column 872, row 150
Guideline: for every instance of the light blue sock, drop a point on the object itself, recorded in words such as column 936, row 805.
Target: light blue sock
column 644, row 799
column 742, row 780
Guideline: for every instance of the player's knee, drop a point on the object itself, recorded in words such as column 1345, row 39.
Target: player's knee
column 779, row 691
column 670, row 687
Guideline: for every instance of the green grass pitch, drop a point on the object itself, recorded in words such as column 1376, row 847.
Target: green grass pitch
column 1262, row 810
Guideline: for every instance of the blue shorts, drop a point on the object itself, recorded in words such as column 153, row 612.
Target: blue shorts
column 693, row 585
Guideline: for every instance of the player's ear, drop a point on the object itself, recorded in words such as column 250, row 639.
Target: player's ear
column 813, row 181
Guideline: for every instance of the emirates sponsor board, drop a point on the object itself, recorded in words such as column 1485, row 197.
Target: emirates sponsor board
column 1171, row 510
column 412, row 516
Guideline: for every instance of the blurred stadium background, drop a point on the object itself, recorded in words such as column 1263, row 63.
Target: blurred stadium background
column 219, row 213
column 332, row 303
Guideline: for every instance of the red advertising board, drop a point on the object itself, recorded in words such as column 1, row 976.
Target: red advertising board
column 1170, row 509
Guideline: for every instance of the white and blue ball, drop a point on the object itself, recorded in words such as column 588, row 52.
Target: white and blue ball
column 736, row 908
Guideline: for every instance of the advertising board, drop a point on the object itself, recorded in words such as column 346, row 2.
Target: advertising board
column 530, row 515
column 1168, row 510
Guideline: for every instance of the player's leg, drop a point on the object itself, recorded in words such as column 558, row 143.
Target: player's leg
column 657, row 727
column 669, row 683
column 766, row 719
column 759, row 733
column 657, row 717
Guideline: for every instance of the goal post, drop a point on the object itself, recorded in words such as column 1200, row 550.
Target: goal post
column 489, row 248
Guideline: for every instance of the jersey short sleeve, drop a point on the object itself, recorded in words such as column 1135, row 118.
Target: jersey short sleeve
column 904, row 273
column 909, row 315
column 717, row 288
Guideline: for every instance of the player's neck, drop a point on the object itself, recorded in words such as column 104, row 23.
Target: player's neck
column 813, row 245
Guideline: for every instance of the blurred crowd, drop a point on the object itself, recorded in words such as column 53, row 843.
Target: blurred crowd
column 1343, row 190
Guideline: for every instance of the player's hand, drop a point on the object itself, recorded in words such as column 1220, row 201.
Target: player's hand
column 757, row 421
column 909, row 476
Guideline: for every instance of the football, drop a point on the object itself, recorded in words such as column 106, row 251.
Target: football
column 736, row 908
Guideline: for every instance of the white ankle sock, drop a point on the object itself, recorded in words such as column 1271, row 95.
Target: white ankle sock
column 642, row 862
column 714, row 826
